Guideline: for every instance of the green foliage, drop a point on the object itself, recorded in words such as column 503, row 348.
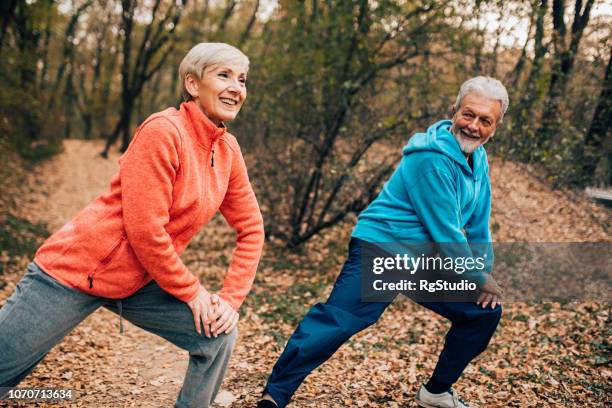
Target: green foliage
column 563, row 155
column 24, row 125
column 335, row 88
column 331, row 82
column 18, row 236
column 290, row 306
column 553, row 124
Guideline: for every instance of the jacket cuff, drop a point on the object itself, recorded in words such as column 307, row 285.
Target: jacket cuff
column 232, row 300
column 191, row 294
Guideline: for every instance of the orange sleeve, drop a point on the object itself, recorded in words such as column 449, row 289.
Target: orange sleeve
column 148, row 171
column 241, row 211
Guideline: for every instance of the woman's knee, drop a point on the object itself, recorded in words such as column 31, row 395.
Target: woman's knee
column 208, row 346
column 229, row 340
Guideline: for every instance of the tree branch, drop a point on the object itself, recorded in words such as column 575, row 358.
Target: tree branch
column 247, row 31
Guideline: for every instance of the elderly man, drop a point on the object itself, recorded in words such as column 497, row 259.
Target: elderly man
column 440, row 193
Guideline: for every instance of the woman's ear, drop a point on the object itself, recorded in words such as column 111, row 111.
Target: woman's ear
column 192, row 85
column 452, row 109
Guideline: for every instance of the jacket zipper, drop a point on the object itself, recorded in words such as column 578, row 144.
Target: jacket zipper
column 212, row 156
column 106, row 260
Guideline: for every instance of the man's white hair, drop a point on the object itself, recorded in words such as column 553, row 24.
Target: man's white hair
column 487, row 87
column 208, row 55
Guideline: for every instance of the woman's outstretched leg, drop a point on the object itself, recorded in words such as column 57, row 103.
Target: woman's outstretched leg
column 39, row 314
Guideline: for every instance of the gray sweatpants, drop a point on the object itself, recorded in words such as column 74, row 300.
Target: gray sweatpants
column 41, row 312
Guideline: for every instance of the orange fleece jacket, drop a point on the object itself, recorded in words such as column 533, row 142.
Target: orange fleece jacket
column 177, row 172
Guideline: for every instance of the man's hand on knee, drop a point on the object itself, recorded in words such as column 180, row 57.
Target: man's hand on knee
column 491, row 293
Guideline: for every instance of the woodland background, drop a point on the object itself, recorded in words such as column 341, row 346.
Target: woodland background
column 332, row 84
column 335, row 89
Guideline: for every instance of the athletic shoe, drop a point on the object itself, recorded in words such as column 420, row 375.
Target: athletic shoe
column 266, row 404
column 446, row 399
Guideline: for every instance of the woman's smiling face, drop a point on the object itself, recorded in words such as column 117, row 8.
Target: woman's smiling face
column 221, row 91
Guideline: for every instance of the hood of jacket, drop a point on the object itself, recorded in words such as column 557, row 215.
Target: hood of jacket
column 438, row 138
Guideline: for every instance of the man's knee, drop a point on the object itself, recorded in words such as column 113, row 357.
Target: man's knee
column 489, row 320
column 494, row 315
column 476, row 314
column 488, row 323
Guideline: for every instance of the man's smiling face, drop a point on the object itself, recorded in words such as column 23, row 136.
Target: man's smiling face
column 475, row 121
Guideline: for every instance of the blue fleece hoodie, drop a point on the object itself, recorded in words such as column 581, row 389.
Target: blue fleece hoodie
column 434, row 196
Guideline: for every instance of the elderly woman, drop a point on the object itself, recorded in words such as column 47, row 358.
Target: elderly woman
column 123, row 250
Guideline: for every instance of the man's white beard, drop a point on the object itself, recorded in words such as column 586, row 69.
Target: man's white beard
column 466, row 146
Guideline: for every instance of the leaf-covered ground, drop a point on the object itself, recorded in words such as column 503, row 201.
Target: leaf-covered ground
column 543, row 354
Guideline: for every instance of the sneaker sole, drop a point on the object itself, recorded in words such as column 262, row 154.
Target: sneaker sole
column 424, row 404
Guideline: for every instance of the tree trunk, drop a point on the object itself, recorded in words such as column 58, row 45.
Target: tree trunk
column 128, row 106
column 68, row 51
column 563, row 63
column 69, row 102
column 600, row 129
column 521, row 123
column 247, row 31
column 7, row 11
column 514, row 76
column 114, row 135
column 42, row 83
column 135, row 76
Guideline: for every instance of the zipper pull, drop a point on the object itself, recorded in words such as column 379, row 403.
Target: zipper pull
column 90, row 279
column 212, row 158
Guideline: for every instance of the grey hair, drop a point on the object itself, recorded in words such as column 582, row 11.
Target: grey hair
column 208, row 55
column 487, row 87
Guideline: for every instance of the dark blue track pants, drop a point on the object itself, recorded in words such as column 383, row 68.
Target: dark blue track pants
column 328, row 325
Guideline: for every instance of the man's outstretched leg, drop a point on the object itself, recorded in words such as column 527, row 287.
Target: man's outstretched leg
column 323, row 330
column 471, row 330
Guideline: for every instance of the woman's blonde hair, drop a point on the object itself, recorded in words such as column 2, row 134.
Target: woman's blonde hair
column 208, row 55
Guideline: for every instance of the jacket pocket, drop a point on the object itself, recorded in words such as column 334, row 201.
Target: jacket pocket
column 102, row 263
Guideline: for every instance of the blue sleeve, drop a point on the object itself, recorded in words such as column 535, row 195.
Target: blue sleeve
column 435, row 200
column 477, row 227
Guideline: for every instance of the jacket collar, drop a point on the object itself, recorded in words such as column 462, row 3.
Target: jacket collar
column 204, row 130
column 439, row 138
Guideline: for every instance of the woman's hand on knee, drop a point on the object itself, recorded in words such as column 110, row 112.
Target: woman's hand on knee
column 203, row 309
column 226, row 318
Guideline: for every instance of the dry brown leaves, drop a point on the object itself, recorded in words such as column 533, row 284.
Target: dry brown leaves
column 543, row 355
